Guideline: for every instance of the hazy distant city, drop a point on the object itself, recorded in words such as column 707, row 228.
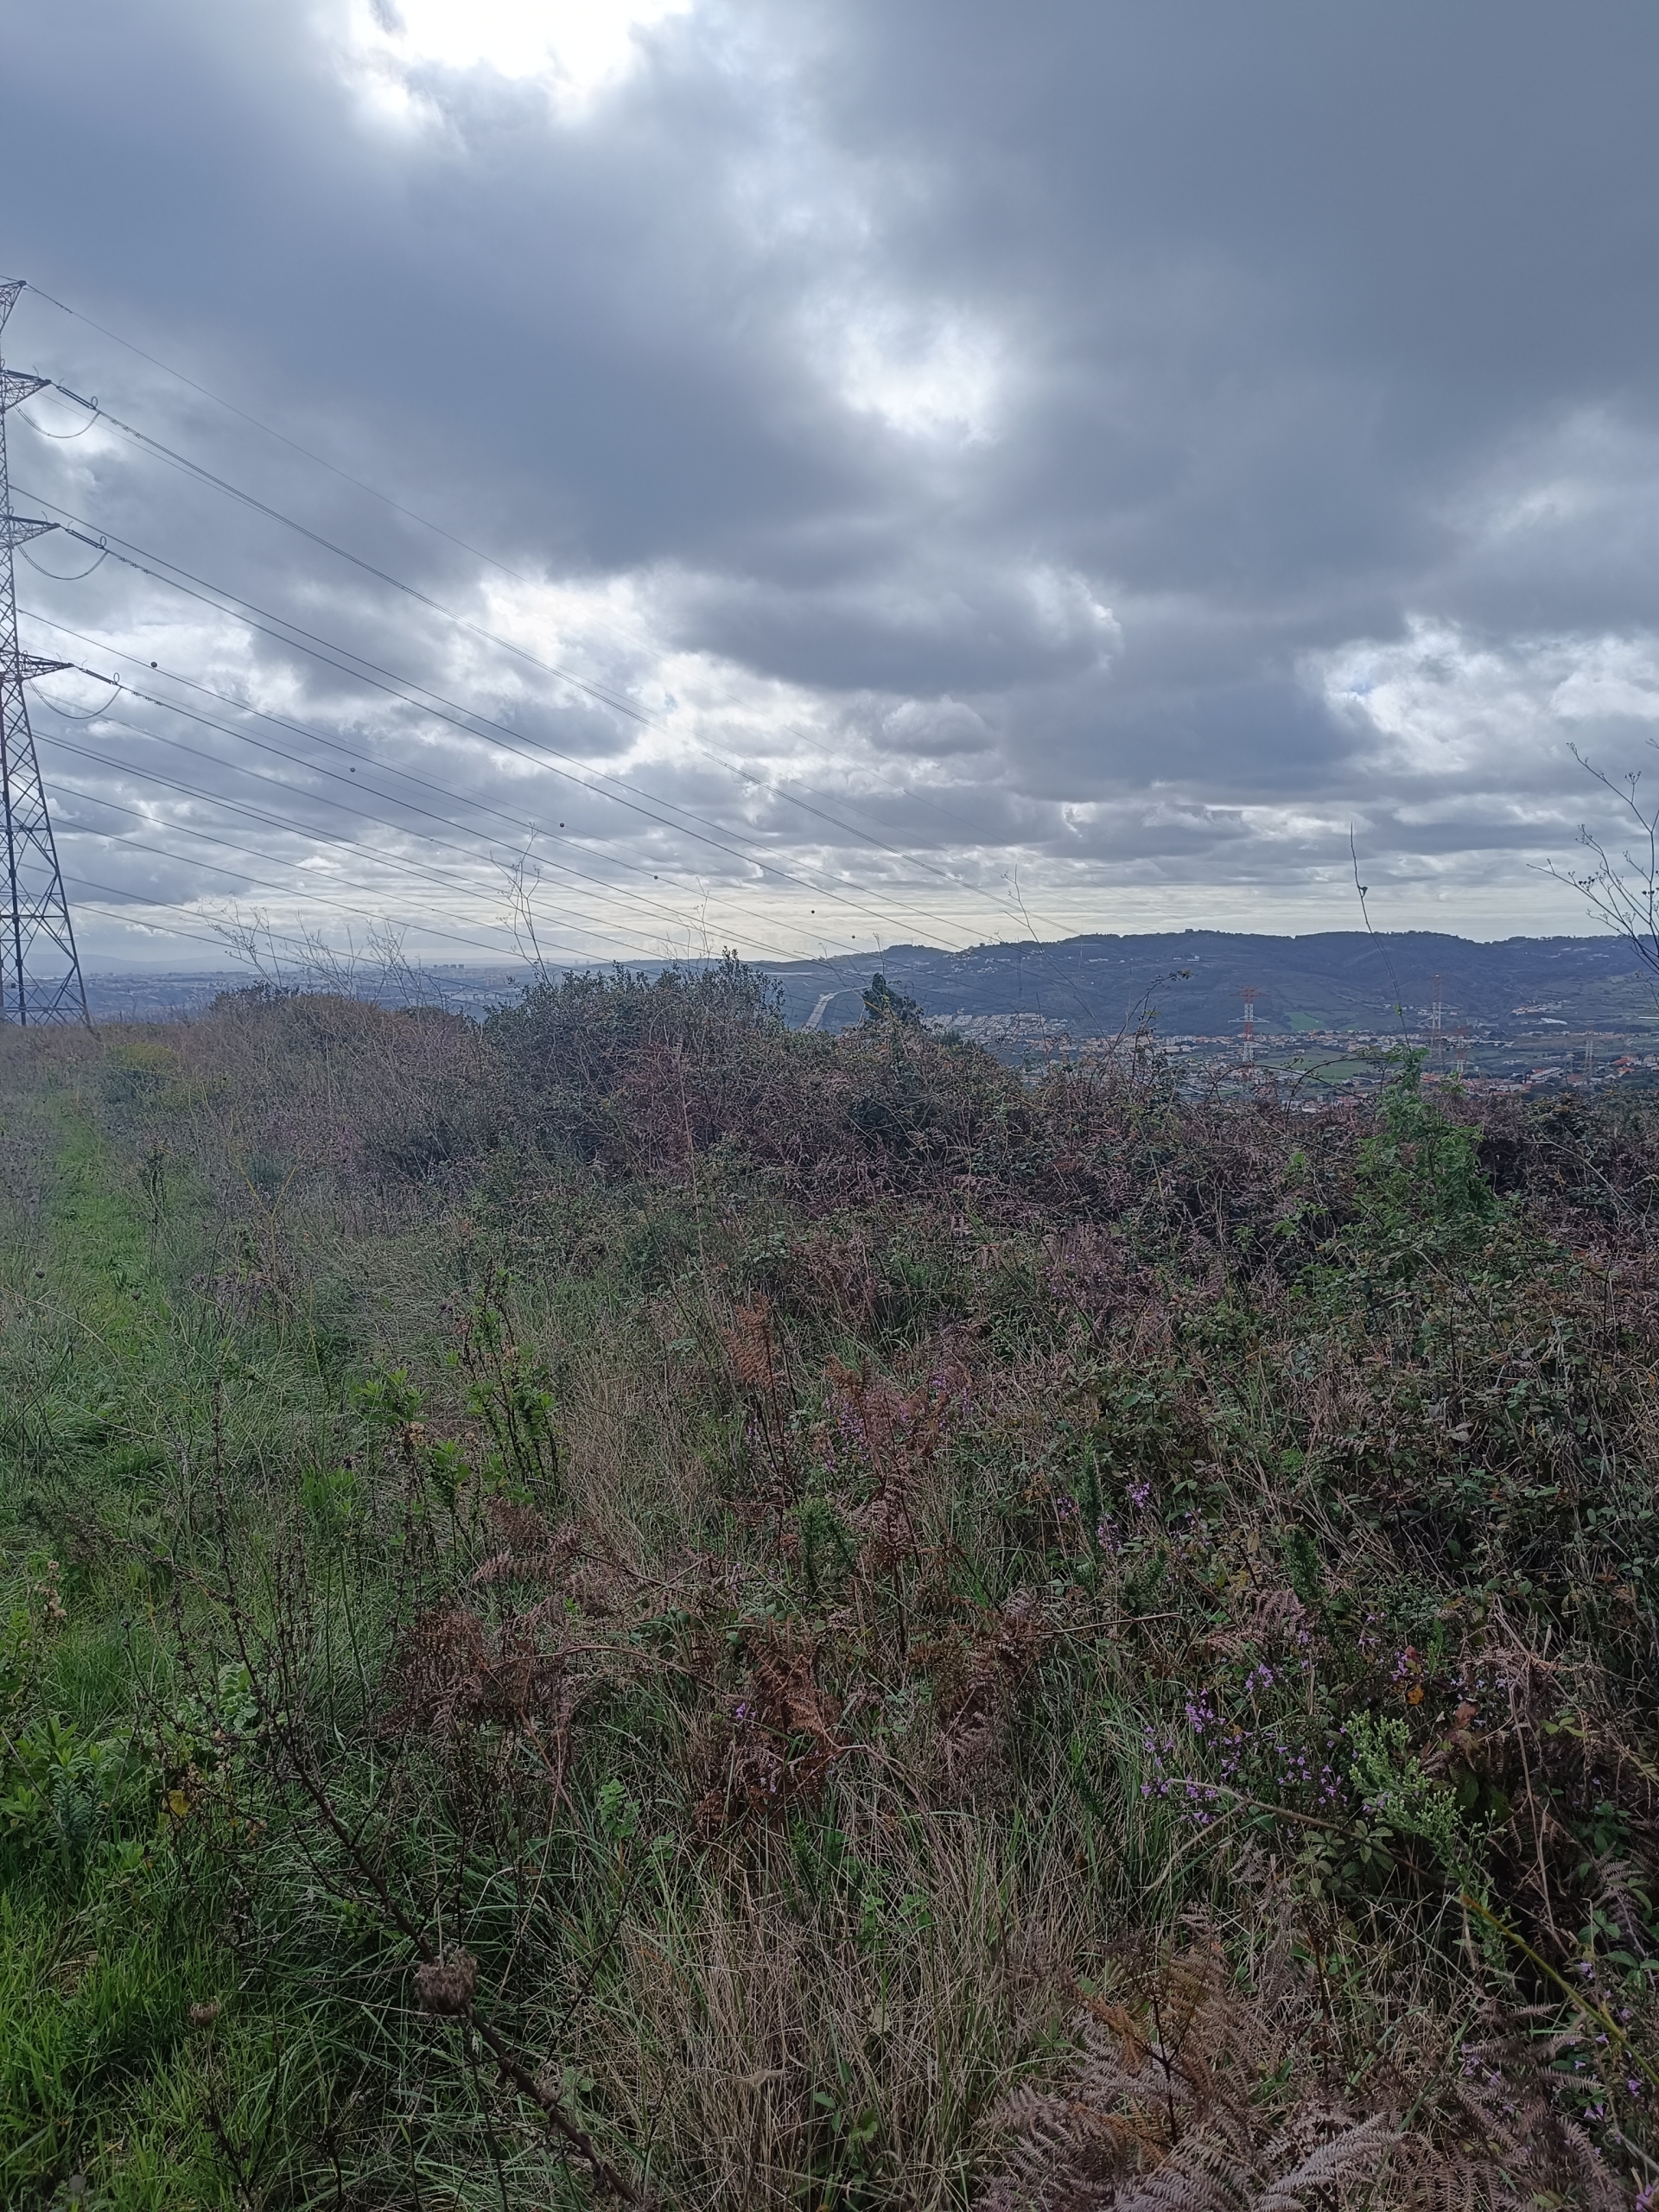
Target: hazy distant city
column 1326, row 1010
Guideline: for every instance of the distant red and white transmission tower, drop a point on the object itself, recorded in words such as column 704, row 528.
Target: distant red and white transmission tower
column 1250, row 992
column 40, row 968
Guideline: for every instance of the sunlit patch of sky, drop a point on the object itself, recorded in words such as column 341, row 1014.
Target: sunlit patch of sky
column 576, row 48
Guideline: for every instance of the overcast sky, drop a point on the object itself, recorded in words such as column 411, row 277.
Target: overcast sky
column 996, row 469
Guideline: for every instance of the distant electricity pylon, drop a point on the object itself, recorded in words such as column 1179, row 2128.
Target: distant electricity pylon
column 1250, row 995
column 40, row 968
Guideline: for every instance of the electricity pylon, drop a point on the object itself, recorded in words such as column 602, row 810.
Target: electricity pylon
column 40, row 968
column 1249, row 996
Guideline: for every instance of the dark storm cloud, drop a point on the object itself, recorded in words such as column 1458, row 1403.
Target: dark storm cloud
column 1133, row 441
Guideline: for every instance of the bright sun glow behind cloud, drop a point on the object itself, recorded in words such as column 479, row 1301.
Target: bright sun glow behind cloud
column 941, row 382
column 577, row 46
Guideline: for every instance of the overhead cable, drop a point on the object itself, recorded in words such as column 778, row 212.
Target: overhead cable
column 470, row 721
column 596, row 691
column 225, row 844
column 349, row 782
column 272, row 821
column 382, row 859
column 358, row 811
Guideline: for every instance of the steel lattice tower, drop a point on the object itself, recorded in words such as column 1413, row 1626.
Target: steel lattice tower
column 39, row 969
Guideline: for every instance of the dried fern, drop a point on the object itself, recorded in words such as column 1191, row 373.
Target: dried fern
column 1177, row 2102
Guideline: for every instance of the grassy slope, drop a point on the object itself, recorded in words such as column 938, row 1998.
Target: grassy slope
column 101, row 1960
column 774, row 1623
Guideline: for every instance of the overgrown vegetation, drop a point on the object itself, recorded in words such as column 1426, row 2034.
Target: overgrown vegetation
column 632, row 1606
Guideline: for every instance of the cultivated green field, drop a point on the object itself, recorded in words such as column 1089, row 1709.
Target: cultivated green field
column 633, row 1605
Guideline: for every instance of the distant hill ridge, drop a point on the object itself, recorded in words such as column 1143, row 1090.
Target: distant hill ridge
column 1195, row 980
column 1097, row 984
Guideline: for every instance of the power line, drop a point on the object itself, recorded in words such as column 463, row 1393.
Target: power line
column 169, row 928
column 598, row 691
column 425, row 700
column 595, row 692
column 623, row 706
column 722, row 839
column 601, row 693
column 705, row 832
column 228, row 845
column 118, row 913
column 457, row 799
column 401, row 864
column 259, row 814
column 362, row 813
column 281, row 436
column 675, row 916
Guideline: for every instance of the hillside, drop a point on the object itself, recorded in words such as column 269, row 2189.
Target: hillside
column 632, row 1603
column 1339, row 979
column 1097, row 985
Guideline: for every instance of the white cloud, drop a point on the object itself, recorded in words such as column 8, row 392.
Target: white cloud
column 928, row 375
column 1443, row 703
column 933, row 729
column 576, row 48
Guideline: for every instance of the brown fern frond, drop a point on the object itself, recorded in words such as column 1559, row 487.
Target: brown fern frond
column 1128, row 2027
column 1209, row 2170
column 439, row 1673
column 1275, row 1616
column 1264, row 1619
column 450, row 1677
column 1180, row 2099
column 534, row 1552
column 977, row 1683
column 1621, row 1892
column 753, row 1348
column 784, row 1735
column 1359, row 2147
column 1501, row 2114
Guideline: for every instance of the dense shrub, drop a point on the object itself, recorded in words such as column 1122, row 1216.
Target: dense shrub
column 635, row 1602
column 643, row 1073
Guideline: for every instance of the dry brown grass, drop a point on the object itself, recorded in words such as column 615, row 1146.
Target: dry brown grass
column 632, row 1467
column 772, row 2040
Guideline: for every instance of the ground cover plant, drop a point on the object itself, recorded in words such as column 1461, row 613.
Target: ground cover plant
column 633, row 1606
